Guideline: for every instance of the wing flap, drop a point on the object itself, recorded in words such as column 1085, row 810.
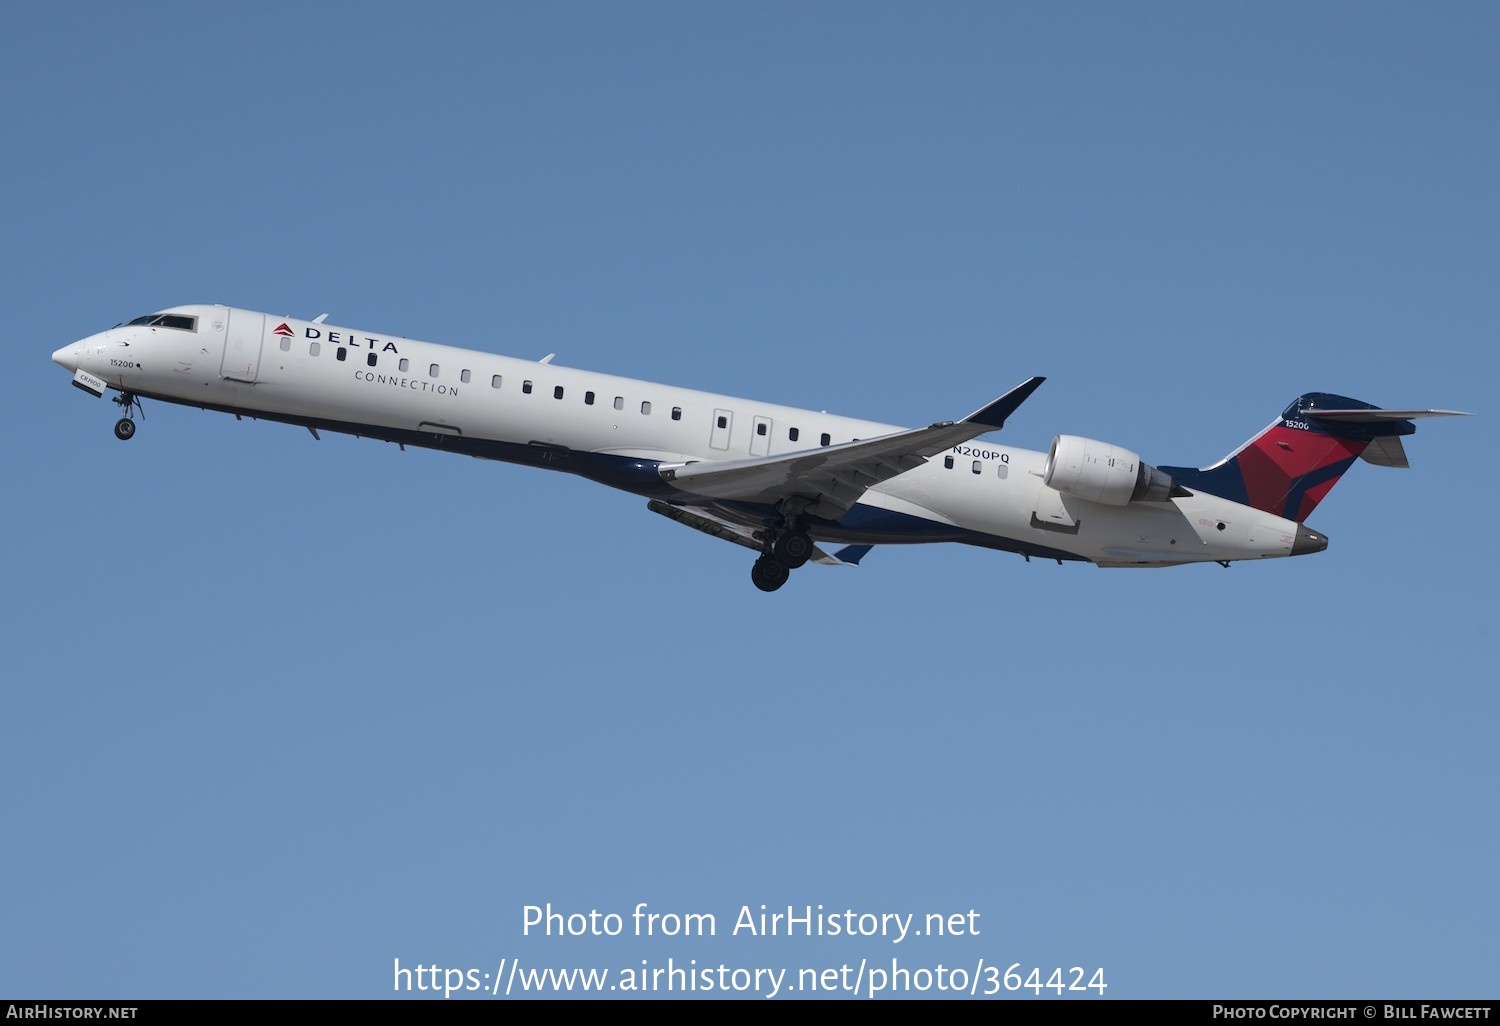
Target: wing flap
column 708, row 525
column 850, row 555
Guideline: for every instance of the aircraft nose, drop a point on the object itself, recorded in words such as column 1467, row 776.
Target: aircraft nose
column 66, row 357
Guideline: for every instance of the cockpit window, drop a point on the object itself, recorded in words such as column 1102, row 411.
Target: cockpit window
column 179, row 321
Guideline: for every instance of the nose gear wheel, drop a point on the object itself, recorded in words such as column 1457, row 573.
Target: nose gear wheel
column 125, row 426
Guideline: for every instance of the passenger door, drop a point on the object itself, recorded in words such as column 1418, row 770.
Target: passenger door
column 242, row 341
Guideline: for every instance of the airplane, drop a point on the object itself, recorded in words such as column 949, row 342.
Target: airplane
column 786, row 483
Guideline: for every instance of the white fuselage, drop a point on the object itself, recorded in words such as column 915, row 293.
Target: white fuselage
column 619, row 430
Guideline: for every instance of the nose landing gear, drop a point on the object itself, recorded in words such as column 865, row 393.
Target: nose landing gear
column 125, row 426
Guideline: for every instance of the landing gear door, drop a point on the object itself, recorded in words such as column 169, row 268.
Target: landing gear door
column 242, row 346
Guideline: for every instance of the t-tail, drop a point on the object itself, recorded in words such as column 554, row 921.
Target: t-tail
column 1294, row 463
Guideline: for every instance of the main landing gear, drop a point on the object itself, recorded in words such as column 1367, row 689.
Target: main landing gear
column 769, row 573
column 789, row 547
column 125, row 426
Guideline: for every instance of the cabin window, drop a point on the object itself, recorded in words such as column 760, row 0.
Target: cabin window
column 557, row 392
column 677, row 413
column 619, row 402
column 313, row 349
column 978, row 467
column 792, row 434
column 405, row 364
column 286, row 345
column 588, row 398
column 495, row 381
column 432, row 370
column 947, row 462
column 1004, row 471
column 342, row 354
column 371, row 359
column 463, row 375
column 723, row 421
column 646, row 407
column 761, row 429
column 526, row 387
column 825, row 439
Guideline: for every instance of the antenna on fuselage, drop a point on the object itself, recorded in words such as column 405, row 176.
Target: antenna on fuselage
column 320, row 318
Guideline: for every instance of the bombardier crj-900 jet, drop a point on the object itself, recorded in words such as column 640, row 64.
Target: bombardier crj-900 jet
column 786, row 483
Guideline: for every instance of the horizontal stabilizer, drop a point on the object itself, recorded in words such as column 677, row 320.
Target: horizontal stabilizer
column 1376, row 416
column 1384, row 450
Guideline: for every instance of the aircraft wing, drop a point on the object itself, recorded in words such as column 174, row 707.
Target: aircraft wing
column 831, row 479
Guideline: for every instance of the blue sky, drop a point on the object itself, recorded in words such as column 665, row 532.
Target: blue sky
column 280, row 712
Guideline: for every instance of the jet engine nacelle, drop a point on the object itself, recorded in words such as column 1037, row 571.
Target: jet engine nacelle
column 1103, row 473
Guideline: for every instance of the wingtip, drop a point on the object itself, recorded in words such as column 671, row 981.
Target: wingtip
column 993, row 415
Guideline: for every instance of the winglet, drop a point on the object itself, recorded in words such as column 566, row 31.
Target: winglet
column 993, row 416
